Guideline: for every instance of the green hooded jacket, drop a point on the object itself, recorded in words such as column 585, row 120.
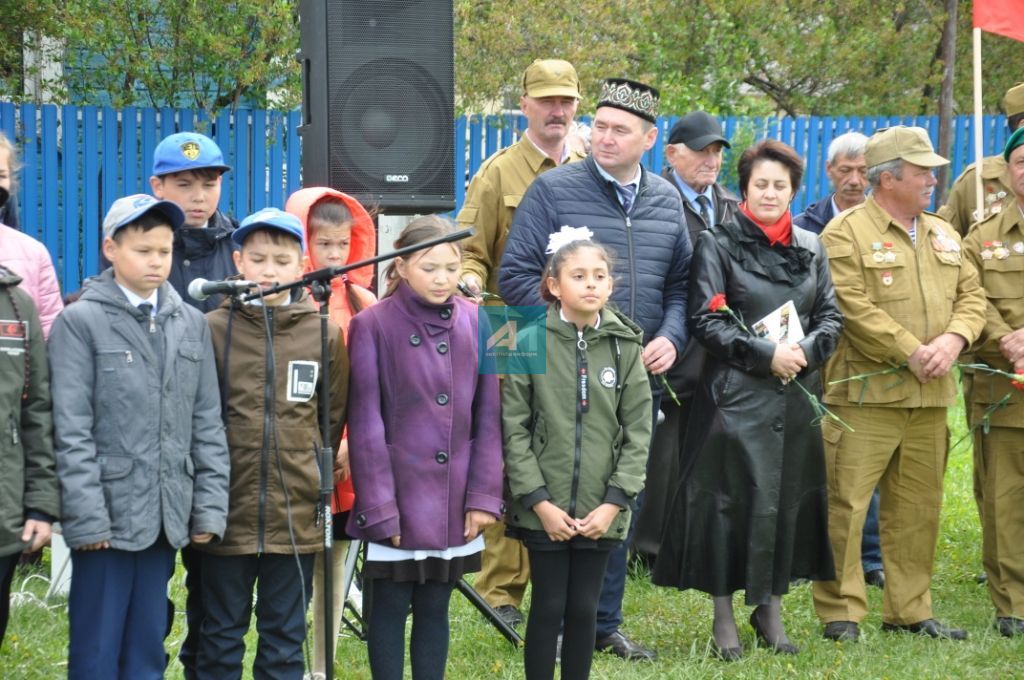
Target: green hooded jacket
column 28, row 478
column 574, row 457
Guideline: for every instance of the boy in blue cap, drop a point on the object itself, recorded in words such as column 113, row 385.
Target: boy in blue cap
column 268, row 360
column 141, row 455
column 187, row 169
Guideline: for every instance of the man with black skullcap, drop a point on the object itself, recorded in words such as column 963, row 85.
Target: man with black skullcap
column 636, row 215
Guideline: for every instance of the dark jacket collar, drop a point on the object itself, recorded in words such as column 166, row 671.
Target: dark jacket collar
column 816, row 216
column 748, row 244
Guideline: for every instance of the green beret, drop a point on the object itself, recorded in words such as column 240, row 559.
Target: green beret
column 1015, row 140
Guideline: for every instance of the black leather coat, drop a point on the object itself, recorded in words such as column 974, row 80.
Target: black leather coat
column 751, row 508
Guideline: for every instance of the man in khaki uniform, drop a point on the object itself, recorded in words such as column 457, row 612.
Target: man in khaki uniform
column 960, row 206
column 911, row 302
column 551, row 94
column 996, row 248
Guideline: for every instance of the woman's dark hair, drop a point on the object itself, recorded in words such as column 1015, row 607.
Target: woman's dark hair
column 770, row 150
column 421, row 229
column 553, row 269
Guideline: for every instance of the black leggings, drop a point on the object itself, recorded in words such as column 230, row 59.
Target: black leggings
column 389, row 603
column 569, row 589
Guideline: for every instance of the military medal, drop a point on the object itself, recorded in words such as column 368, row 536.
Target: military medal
column 890, row 257
column 887, row 278
column 1018, row 247
column 878, row 256
column 999, row 251
column 986, row 253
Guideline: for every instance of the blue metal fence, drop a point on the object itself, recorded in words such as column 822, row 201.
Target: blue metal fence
column 78, row 159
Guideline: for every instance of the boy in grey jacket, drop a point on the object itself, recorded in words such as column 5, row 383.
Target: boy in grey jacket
column 141, row 454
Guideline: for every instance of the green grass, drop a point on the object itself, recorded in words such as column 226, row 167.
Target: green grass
column 676, row 624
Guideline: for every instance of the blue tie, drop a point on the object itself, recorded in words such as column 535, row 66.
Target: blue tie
column 705, row 212
column 626, row 194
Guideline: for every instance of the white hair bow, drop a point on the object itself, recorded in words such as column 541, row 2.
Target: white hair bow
column 566, row 235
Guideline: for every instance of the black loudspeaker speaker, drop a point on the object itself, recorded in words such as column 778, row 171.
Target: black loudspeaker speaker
column 378, row 101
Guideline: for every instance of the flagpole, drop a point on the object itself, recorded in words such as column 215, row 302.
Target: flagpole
column 979, row 211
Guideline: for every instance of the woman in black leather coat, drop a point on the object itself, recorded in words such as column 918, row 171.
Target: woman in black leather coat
column 751, row 508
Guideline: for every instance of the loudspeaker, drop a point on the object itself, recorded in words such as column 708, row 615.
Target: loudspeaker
column 378, row 101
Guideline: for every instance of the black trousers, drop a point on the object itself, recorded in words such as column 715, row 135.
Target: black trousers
column 566, row 588
column 389, row 604
column 8, row 563
column 282, row 596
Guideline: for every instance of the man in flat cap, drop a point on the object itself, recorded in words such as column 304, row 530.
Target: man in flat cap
column 638, row 216
column 551, row 94
column 996, row 248
column 694, row 154
column 961, row 206
column 912, row 303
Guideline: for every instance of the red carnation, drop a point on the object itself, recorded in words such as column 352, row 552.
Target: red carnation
column 717, row 302
column 1018, row 384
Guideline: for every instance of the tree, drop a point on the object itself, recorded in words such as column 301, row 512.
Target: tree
column 205, row 55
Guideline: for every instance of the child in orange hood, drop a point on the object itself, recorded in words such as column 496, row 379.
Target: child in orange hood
column 338, row 231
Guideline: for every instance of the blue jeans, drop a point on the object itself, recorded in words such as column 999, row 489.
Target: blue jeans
column 871, row 543
column 609, row 606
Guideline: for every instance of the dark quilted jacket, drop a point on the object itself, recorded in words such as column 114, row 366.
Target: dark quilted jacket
column 651, row 245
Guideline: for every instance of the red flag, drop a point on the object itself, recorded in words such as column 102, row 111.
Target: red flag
column 1002, row 17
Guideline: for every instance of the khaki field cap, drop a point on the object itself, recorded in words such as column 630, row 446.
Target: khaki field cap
column 908, row 143
column 1013, row 101
column 551, row 78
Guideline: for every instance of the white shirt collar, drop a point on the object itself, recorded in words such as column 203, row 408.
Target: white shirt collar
column 137, row 300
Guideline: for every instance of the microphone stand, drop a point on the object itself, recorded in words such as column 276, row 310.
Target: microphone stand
column 319, row 283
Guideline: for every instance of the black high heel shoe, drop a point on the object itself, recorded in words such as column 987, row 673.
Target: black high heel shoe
column 777, row 647
column 726, row 653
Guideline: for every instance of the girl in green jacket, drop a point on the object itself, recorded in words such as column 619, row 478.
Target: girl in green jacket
column 576, row 438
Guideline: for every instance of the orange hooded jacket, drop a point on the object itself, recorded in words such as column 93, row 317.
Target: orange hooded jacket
column 363, row 246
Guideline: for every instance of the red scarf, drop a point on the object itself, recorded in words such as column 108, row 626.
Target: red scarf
column 780, row 232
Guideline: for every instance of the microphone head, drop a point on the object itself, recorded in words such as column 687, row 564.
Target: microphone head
column 195, row 290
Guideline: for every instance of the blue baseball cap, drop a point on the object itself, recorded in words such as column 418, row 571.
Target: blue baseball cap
column 187, row 151
column 129, row 209
column 271, row 218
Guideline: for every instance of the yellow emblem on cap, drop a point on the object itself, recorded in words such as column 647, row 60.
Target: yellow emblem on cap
column 190, row 150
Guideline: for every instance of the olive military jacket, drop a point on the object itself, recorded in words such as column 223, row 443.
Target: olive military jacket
column 996, row 248
column 896, row 296
column 491, row 202
column 995, row 179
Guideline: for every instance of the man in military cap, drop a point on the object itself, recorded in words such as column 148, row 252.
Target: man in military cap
column 996, row 248
column 961, row 206
column 551, row 94
column 911, row 303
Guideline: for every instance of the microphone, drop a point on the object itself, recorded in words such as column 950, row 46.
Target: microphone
column 201, row 289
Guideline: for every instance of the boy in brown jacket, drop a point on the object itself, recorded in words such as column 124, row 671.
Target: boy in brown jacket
column 268, row 359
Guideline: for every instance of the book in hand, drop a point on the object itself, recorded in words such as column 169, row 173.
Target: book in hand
column 781, row 325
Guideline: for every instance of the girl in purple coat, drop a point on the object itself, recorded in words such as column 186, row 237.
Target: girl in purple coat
column 425, row 451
